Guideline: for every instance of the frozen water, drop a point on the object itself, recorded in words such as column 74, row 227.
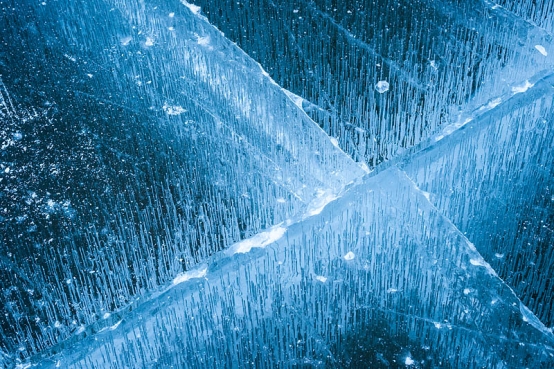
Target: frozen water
column 125, row 163
column 411, row 295
column 164, row 202
column 442, row 58
column 382, row 87
column 495, row 182
column 536, row 12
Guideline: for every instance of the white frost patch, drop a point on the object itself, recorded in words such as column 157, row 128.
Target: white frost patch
column 541, row 50
column 437, row 325
column 149, row 42
column 106, row 315
column 317, row 204
column 467, row 291
column 382, row 87
column 494, row 103
column 409, row 361
column 126, row 40
column 113, row 327
column 191, row 274
column 449, row 129
column 173, row 109
column 171, row 15
column 481, row 262
column 478, row 262
column 392, row 290
column 364, row 167
column 334, row 141
column 204, row 41
column 321, row 278
column 426, row 194
column 195, row 9
column 260, row 240
column 349, row 256
column 281, row 200
column 499, row 256
column 470, row 245
column 522, row 88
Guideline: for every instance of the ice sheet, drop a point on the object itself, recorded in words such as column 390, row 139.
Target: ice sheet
column 440, row 58
column 163, row 201
column 494, row 180
column 379, row 278
column 132, row 149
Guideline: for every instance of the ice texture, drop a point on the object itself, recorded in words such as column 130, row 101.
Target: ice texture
column 496, row 183
column 536, row 12
column 411, row 294
column 442, row 59
column 130, row 153
column 165, row 202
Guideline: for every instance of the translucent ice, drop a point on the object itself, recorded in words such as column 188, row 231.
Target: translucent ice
column 382, row 87
column 130, row 154
column 444, row 58
column 495, row 181
column 299, row 302
column 164, row 202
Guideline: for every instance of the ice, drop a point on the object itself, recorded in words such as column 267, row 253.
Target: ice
column 172, row 152
column 367, row 184
column 382, row 87
column 494, row 180
column 197, row 273
column 541, row 50
column 273, row 307
column 193, row 8
column 524, row 87
column 349, row 256
column 441, row 58
column 537, row 12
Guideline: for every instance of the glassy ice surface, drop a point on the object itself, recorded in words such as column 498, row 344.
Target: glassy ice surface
column 495, row 182
column 163, row 200
column 441, row 58
column 133, row 150
column 379, row 278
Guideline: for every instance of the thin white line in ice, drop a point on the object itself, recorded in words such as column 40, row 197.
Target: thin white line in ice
column 541, row 50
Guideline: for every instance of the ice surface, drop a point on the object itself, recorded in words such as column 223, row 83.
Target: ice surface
column 411, row 295
column 442, row 59
column 132, row 152
column 495, row 181
column 164, row 202
column 537, row 12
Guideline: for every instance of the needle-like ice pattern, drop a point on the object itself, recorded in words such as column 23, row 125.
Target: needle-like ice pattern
column 164, row 202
